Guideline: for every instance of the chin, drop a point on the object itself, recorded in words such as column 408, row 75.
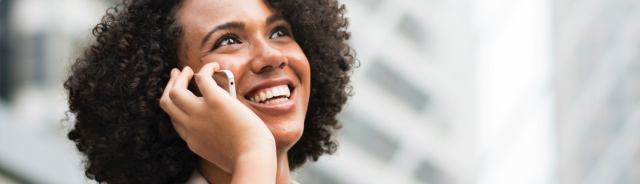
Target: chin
column 286, row 132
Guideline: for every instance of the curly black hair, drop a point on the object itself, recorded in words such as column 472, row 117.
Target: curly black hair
column 115, row 86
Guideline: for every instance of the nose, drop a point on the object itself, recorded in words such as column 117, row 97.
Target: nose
column 267, row 58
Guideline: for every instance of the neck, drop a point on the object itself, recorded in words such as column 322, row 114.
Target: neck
column 214, row 175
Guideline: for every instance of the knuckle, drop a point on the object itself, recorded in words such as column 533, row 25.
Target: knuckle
column 164, row 101
column 199, row 78
column 213, row 102
column 173, row 93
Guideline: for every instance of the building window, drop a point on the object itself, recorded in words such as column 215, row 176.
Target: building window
column 313, row 175
column 6, row 83
column 359, row 130
column 429, row 174
column 411, row 29
column 39, row 57
column 396, row 85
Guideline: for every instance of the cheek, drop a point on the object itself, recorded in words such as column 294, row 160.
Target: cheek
column 299, row 63
column 227, row 61
column 236, row 63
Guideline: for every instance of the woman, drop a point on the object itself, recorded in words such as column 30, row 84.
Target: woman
column 137, row 122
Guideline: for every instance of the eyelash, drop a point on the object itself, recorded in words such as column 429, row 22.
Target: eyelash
column 282, row 27
column 228, row 35
column 223, row 38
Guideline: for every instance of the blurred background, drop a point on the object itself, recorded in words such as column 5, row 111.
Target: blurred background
column 448, row 92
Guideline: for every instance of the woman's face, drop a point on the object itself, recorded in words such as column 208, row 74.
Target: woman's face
column 256, row 44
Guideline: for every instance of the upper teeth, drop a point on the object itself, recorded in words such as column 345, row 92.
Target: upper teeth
column 276, row 91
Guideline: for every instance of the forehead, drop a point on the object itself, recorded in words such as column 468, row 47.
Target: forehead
column 206, row 14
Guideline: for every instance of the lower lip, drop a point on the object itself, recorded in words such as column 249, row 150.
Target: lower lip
column 277, row 108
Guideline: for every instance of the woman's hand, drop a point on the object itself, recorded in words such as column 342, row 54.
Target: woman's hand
column 218, row 127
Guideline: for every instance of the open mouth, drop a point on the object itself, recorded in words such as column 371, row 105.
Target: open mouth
column 271, row 95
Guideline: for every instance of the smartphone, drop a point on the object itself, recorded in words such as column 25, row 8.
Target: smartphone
column 224, row 79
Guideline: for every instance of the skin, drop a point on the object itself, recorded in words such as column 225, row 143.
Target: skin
column 238, row 141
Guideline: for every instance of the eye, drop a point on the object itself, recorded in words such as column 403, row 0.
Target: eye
column 279, row 31
column 227, row 39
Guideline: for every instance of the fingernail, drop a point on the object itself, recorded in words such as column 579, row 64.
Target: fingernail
column 173, row 71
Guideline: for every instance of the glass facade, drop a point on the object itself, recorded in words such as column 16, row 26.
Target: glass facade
column 447, row 92
column 598, row 85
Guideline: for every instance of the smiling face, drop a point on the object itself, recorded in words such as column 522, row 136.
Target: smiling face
column 249, row 38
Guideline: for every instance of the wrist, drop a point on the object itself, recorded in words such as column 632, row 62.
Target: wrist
column 256, row 166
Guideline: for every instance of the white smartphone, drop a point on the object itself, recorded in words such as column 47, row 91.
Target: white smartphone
column 224, row 79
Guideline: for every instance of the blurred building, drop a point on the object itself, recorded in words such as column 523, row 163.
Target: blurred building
column 5, row 49
column 448, row 92
column 38, row 41
column 412, row 118
column 598, row 90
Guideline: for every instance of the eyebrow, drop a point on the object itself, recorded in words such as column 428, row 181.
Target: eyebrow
column 237, row 25
column 228, row 25
column 274, row 18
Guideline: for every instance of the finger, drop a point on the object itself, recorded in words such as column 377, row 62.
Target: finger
column 183, row 79
column 174, row 75
column 172, row 109
column 206, row 84
column 180, row 95
column 184, row 99
column 165, row 101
